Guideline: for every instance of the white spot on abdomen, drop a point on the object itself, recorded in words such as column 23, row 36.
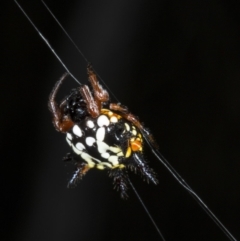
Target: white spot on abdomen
column 102, row 147
column 113, row 160
column 103, row 121
column 77, row 131
column 80, row 146
column 90, row 140
column 105, row 155
column 115, row 149
column 100, row 135
column 69, row 136
column 90, row 124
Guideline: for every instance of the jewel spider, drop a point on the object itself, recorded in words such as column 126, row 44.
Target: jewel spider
column 153, row 149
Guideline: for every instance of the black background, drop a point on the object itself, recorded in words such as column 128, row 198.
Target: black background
column 176, row 64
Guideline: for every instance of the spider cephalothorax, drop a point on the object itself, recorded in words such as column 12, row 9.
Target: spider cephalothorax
column 102, row 135
column 75, row 106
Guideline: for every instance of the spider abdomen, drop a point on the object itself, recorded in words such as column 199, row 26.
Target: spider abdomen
column 106, row 141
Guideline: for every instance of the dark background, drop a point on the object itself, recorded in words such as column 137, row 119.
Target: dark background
column 176, row 64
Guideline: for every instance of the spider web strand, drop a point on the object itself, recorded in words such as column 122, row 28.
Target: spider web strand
column 146, row 210
column 184, row 184
column 75, row 45
column 59, row 59
column 47, row 43
column 159, row 156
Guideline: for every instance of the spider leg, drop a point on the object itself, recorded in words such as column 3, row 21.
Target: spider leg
column 119, row 107
column 92, row 107
column 61, row 122
column 139, row 165
column 94, row 103
column 120, row 181
column 134, row 119
column 81, row 170
column 100, row 94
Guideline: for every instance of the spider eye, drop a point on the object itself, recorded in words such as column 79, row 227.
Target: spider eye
column 79, row 114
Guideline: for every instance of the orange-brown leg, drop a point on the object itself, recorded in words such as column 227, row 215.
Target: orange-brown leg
column 62, row 123
column 100, row 94
column 94, row 104
column 118, row 107
column 82, row 169
column 92, row 107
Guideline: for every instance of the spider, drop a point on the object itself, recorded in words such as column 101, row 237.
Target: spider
column 102, row 134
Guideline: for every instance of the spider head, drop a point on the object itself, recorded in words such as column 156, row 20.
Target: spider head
column 75, row 106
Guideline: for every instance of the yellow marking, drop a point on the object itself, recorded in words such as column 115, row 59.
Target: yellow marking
column 100, row 166
column 107, row 164
column 134, row 132
column 104, row 111
column 117, row 116
column 91, row 165
column 120, row 154
column 119, row 166
column 138, row 139
column 128, row 152
column 127, row 126
column 136, row 145
column 113, row 119
column 110, row 113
